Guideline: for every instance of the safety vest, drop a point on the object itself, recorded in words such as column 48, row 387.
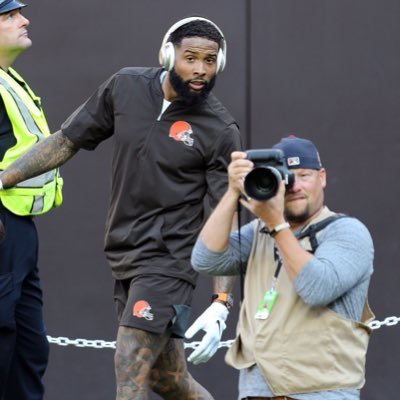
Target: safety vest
column 36, row 195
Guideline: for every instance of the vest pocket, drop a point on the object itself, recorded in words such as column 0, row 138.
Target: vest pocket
column 33, row 201
column 299, row 361
column 23, row 204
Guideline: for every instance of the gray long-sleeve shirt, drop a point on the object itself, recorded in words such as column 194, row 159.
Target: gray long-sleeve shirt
column 337, row 276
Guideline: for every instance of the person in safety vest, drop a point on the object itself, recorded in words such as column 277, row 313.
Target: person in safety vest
column 303, row 326
column 23, row 343
column 172, row 144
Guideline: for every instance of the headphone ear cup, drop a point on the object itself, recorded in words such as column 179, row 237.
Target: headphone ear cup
column 221, row 60
column 168, row 56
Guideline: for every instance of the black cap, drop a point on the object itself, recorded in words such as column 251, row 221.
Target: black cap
column 9, row 5
column 299, row 153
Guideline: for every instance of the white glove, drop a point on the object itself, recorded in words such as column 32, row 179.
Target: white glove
column 212, row 321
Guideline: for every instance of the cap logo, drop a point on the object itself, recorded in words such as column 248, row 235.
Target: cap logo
column 293, row 161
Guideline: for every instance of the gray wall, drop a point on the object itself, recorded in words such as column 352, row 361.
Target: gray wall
column 322, row 69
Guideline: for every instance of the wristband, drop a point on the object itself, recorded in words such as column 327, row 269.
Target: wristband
column 1, row 185
column 278, row 228
column 225, row 298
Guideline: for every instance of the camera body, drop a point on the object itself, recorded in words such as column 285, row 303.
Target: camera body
column 270, row 168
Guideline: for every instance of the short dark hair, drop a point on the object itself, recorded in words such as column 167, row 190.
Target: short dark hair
column 197, row 28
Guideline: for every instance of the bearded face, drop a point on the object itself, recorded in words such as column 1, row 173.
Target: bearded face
column 186, row 94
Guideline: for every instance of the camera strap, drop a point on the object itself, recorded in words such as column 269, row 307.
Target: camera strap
column 313, row 229
column 241, row 266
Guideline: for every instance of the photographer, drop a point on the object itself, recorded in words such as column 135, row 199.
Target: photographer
column 302, row 331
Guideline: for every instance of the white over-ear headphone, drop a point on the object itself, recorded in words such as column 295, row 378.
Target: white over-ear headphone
column 166, row 55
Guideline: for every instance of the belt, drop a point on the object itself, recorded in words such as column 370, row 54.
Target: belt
column 271, row 398
column 279, row 398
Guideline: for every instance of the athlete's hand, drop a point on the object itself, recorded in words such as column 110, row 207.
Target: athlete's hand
column 212, row 321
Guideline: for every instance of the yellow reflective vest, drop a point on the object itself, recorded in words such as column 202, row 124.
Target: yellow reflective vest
column 36, row 195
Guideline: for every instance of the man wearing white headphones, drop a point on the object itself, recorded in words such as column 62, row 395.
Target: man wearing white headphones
column 172, row 145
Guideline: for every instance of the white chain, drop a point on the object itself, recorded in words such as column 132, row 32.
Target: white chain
column 389, row 321
column 102, row 344
column 193, row 345
column 98, row 344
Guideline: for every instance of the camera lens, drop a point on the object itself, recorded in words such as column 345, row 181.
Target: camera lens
column 262, row 183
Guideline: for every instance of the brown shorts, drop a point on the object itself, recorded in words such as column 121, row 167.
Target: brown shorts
column 154, row 303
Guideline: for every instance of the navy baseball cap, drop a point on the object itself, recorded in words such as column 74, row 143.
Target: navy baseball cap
column 9, row 5
column 299, row 153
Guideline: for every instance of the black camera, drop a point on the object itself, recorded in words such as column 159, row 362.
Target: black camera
column 270, row 168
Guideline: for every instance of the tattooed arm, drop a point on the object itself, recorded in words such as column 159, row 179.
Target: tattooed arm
column 48, row 154
column 225, row 284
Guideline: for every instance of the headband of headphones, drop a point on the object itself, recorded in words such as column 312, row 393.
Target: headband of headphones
column 166, row 55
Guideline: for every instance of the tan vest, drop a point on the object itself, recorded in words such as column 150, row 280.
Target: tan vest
column 299, row 349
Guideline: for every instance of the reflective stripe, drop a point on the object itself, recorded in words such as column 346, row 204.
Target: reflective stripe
column 26, row 115
column 38, row 204
column 38, row 181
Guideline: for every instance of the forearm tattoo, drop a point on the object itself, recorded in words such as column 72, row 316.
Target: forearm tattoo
column 223, row 284
column 48, row 154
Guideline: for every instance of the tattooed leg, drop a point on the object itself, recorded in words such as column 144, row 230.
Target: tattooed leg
column 135, row 355
column 170, row 377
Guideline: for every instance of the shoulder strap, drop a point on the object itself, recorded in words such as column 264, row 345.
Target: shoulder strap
column 313, row 229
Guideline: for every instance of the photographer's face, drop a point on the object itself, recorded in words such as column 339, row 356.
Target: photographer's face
column 306, row 198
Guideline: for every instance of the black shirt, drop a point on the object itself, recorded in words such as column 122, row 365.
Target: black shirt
column 7, row 138
column 162, row 169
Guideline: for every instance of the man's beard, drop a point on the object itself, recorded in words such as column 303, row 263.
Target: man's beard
column 187, row 95
column 298, row 217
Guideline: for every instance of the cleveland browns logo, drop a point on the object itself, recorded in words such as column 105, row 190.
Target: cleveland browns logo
column 181, row 131
column 142, row 309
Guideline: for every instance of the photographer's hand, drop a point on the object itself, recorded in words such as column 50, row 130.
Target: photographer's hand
column 270, row 211
column 237, row 170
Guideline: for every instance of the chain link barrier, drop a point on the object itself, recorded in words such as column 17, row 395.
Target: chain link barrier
column 389, row 321
column 102, row 344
